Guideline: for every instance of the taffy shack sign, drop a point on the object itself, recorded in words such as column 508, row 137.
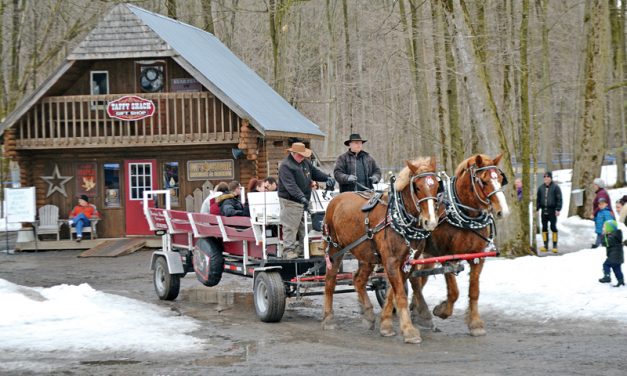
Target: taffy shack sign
column 130, row 108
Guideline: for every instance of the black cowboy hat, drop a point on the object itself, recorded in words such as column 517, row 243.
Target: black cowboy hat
column 354, row 137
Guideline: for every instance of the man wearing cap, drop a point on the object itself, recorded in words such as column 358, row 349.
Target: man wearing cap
column 80, row 216
column 549, row 200
column 296, row 177
column 356, row 170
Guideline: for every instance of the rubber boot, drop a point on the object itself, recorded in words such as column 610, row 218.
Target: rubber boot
column 620, row 283
column 545, row 239
column 606, row 279
column 554, row 242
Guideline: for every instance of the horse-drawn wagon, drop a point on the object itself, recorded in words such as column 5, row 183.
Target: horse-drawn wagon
column 415, row 207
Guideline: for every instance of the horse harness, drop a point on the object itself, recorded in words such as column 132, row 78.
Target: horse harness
column 401, row 221
column 455, row 211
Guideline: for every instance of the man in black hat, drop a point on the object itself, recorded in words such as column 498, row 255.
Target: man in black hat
column 549, row 200
column 356, row 170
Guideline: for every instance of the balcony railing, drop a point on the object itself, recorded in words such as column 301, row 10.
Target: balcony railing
column 82, row 121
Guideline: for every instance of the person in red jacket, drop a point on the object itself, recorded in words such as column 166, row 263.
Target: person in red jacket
column 80, row 216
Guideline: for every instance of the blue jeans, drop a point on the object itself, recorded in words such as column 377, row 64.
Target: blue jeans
column 615, row 267
column 80, row 221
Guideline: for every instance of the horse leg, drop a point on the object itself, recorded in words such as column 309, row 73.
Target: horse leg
column 360, row 279
column 396, row 279
column 420, row 313
column 328, row 322
column 473, row 319
column 386, row 328
column 445, row 308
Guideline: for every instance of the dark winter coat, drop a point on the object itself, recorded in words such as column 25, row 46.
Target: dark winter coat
column 295, row 179
column 599, row 219
column 601, row 193
column 549, row 198
column 230, row 206
column 361, row 165
column 614, row 244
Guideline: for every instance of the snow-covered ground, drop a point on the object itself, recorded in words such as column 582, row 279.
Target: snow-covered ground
column 79, row 318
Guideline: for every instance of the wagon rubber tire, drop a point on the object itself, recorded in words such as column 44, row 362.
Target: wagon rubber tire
column 269, row 296
column 167, row 286
column 213, row 249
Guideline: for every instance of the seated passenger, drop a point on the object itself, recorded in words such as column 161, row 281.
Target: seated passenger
column 209, row 206
column 270, row 184
column 230, row 205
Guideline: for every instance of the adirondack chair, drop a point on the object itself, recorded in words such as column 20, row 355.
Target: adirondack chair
column 48, row 221
column 92, row 229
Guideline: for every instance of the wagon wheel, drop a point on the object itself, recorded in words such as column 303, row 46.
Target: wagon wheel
column 269, row 296
column 167, row 285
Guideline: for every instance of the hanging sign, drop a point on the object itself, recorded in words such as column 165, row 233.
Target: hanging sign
column 130, row 108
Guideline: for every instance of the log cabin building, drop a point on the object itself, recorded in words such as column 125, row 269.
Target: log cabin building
column 147, row 102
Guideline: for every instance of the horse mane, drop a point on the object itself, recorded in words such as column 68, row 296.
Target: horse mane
column 422, row 164
column 468, row 161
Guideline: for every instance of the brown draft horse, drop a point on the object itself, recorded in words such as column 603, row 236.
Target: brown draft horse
column 415, row 192
column 475, row 193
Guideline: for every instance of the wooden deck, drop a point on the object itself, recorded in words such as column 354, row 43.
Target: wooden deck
column 52, row 245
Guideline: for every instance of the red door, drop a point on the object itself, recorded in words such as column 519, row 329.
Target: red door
column 141, row 175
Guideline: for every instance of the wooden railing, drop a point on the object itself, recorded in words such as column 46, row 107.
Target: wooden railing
column 82, row 121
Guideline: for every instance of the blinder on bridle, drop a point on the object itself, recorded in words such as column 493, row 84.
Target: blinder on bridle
column 432, row 178
column 473, row 175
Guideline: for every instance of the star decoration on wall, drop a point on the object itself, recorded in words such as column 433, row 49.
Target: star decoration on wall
column 56, row 182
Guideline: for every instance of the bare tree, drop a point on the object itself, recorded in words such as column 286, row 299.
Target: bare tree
column 590, row 133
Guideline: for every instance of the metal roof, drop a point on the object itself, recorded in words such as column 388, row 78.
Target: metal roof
column 228, row 77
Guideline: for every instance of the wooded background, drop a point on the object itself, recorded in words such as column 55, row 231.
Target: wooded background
column 543, row 82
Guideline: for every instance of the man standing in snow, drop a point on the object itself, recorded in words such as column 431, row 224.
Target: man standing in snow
column 549, row 200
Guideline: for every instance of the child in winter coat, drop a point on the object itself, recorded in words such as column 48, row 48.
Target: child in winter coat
column 612, row 239
column 604, row 214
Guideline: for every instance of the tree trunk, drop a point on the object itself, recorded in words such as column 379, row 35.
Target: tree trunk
column 457, row 148
column 171, row 7
column 415, row 58
column 590, row 134
column 331, row 78
column 521, row 208
column 348, row 67
column 616, row 117
column 3, row 94
column 440, row 85
column 207, row 12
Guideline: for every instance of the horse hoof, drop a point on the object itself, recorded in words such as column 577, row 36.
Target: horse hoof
column 477, row 332
column 328, row 325
column 413, row 339
column 423, row 323
column 367, row 324
column 387, row 333
column 439, row 311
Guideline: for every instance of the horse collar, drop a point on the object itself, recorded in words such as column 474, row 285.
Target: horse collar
column 402, row 221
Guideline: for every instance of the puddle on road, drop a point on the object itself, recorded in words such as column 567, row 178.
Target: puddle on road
column 241, row 352
column 108, row 362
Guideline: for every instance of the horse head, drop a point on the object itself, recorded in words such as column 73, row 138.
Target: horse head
column 480, row 183
column 418, row 184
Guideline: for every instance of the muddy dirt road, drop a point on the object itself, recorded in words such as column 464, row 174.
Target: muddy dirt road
column 236, row 342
